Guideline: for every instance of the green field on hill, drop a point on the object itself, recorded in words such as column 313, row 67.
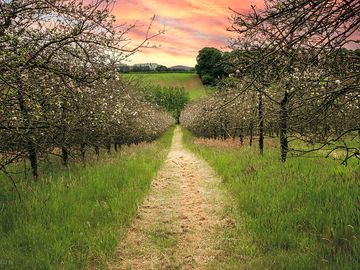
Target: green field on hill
column 190, row 81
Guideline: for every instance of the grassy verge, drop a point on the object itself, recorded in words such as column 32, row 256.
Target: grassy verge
column 190, row 81
column 74, row 218
column 300, row 215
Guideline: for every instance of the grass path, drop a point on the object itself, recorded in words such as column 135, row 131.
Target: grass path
column 176, row 227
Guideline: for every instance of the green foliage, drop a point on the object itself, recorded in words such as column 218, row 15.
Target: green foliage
column 74, row 218
column 172, row 99
column 300, row 215
column 189, row 81
column 209, row 65
column 208, row 79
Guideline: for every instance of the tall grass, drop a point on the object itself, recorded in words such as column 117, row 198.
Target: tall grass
column 73, row 218
column 304, row 214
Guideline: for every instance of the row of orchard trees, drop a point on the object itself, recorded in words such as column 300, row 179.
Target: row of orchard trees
column 231, row 112
column 58, row 83
column 296, row 79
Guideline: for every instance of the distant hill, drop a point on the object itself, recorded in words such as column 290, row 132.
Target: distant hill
column 180, row 67
column 144, row 67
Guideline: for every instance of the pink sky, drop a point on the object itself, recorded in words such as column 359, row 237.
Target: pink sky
column 190, row 25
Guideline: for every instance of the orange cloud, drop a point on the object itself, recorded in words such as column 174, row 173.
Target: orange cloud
column 190, row 25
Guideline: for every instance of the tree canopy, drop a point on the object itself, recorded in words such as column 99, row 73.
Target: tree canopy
column 209, row 65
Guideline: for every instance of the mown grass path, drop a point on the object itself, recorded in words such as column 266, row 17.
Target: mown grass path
column 176, row 227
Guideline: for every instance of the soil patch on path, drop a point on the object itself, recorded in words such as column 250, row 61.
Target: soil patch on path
column 177, row 225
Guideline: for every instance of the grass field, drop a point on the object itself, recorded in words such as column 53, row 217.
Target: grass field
column 190, row 81
column 300, row 215
column 74, row 217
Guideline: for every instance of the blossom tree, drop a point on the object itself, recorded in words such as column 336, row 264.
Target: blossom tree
column 58, row 63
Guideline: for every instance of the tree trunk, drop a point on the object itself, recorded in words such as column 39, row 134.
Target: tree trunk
column 33, row 159
column 65, row 156
column 223, row 132
column 108, row 147
column 116, row 147
column 283, row 127
column 223, row 128
column 261, row 124
column 64, row 150
column 82, row 151
column 251, row 132
column 97, row 150
column 31, row 148
column 241, row 135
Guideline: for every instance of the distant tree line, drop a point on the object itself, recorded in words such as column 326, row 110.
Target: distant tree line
column 148, row 69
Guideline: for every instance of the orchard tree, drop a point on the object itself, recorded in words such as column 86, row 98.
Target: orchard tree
column 56, row 59
column 293, row 69
column 300, row 43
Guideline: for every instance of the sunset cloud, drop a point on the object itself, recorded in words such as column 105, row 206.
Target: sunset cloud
column 190, row 25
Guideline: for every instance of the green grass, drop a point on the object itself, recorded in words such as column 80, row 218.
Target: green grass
column 73, row 218
column 304, row 214
column 190, row 81
column 163, row 239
